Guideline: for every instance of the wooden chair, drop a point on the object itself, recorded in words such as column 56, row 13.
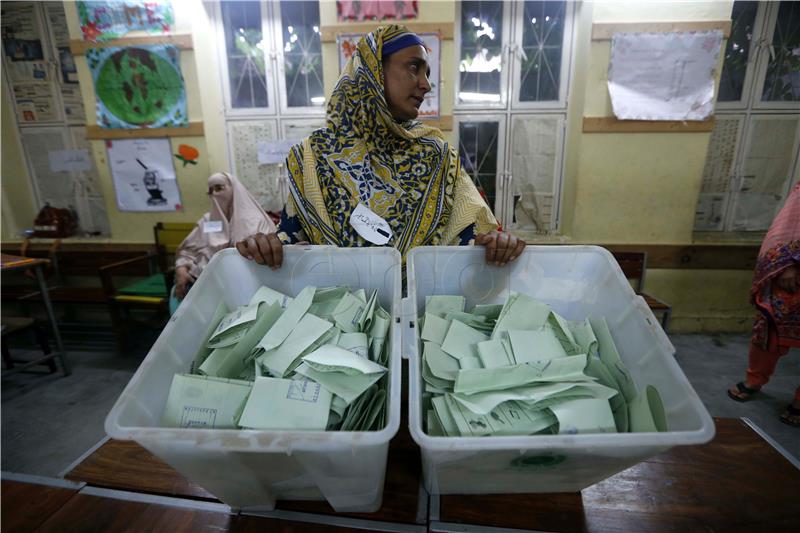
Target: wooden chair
column 151, row 291
column 634, row 266
column 17, row 325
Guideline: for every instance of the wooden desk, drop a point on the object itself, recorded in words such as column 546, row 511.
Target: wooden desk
column 10, row 263
column 738, row 481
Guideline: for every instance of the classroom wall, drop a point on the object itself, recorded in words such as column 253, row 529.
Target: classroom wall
column 17, row 198
column 618, row 188
column 642, row 188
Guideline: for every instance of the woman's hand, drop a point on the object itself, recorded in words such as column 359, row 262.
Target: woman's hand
column 263, row 248
column 182, row 281
column 501, row 248
column 787, row 279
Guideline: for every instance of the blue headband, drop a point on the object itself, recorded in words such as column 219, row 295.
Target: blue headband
column 398, row 43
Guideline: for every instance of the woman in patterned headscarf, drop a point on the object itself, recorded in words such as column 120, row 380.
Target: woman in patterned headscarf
column 373, row 155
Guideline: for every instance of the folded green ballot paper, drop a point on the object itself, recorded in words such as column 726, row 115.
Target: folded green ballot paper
column 286, row 404
column 520, row 368
column 204, row 402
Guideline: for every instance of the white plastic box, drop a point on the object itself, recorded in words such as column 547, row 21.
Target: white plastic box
column 252, row 469
column 577, row 281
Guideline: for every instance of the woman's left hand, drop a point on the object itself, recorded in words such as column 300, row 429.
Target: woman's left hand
column 501, row 248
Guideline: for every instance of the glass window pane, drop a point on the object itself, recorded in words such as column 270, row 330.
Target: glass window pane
column 478, row 153
column 782, row 82
column 244, row 46
column 737, row 52
column 302, row 53
column 542, row 40
column 481, row 51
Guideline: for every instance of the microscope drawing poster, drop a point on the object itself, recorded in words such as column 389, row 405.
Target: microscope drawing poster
column 144, row 176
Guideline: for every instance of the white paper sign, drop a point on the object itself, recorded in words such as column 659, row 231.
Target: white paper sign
column 274, row 152
column 144, row 176
column 663, row 76
column 369, row 225
column 212, row 226
column 70, row 160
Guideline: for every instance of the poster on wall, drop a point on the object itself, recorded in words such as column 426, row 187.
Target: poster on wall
column 34, row 103
column 138, row 87
column 663, row 76
column 143, row 174
column 347, row 42
column 73, row 104
column 347, row 10
column 24, row 59
column 57, row 21
column 112, row 19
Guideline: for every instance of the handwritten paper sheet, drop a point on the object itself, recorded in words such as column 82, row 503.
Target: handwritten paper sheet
column 663, row 76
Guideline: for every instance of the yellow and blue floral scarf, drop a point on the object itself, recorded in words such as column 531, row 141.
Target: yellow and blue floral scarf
column 405, row 172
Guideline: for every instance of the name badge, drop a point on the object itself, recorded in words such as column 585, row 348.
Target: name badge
column 212, row 226
column 369, row 225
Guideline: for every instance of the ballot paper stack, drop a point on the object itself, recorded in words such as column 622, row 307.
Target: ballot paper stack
column 314, row 362
column 521, row 369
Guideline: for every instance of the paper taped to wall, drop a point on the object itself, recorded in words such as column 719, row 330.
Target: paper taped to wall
column 663, row 76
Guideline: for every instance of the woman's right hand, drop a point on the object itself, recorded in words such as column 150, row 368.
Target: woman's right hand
column 263, row 248
column 182, row 281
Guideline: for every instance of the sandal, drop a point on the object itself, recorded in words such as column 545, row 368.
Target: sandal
column 745, row 392
column 791, row 416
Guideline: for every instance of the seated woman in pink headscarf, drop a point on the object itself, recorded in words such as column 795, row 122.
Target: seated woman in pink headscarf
column 234, row 215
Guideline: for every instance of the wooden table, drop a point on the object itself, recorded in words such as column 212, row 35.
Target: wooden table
column 10, row 263
column 738, row 481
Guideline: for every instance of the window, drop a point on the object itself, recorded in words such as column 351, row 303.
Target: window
column 479, row 145
column 272, row 76
column 752, row 157
column 244, row 49
column 302, row 55
column 514, row 149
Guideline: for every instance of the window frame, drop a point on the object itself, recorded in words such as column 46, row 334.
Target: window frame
column 770, row 10
column 500, row 176
column 246, row 112
column 505, row 66
column 749, row 84
column 513, row 13
column 277, row 53
column 743, row 142
column 566, row 62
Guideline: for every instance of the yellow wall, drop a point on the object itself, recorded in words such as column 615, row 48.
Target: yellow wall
column 17, row 199
column 618, row 188
column 138, row 227
column 642, row 188
column 631, row 188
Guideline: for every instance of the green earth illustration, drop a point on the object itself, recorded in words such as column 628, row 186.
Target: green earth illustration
column 138, row 87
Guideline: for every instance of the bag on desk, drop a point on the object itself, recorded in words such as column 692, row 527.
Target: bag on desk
column 56, row 223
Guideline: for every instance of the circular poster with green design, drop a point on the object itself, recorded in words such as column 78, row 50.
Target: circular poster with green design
column 138, row 87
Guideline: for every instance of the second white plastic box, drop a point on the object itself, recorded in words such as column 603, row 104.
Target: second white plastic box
column 577, row 281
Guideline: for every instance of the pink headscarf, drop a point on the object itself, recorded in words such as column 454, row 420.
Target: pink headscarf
column 781, row 246
column 239, row 215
